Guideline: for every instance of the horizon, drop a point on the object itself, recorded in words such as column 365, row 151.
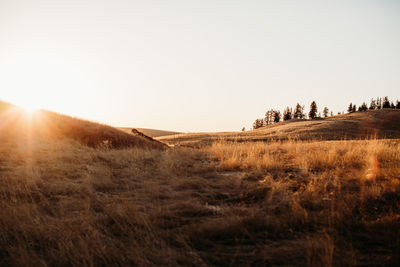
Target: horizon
column 196, row 67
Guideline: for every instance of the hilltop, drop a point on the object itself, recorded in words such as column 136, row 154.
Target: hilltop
column 380, row 124
column 14, row 121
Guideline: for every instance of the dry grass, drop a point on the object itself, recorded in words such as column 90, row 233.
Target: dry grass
column 50, row 125
column 315, row 203
column 303, row 203
column 373, row 124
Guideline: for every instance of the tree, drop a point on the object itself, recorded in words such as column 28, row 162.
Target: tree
column 287, row 114
column 258, row 123
column 277, row 116
column 379, row 103
column 398, row 104
column 392, row 105
column 313, row 110
column 363, row 107
column 243, row 129
column 372, row 105
column 350, row 108
column 269, row 117
column 299, row 112
column 354, row 108
column 386, row 103
column 325, row 112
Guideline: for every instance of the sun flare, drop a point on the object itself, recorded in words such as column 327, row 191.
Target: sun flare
column 30, row 108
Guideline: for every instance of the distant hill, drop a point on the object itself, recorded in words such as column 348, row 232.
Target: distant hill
column 150, row 132
column 380, row 124
column 45, row 124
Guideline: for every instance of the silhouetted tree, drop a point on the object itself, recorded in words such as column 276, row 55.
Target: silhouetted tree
column 258, row 123
column 313, row 110
column 269, row 117
column 363, row 107
column 354, row 108
column 379, row 103
column 277, row 116
column 350, row 108
column 386, row 103
column 287, row 114
column 392, row 105
column 398, row 104
column 325, row 112
column 372, row 105
column 243, row 129
column 299, row 112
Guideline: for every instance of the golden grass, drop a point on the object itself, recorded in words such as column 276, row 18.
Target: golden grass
column 283, row 203
column 381, row 124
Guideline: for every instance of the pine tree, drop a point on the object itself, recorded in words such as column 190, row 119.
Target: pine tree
column 397, row 104
column 287, row 114
column 392, row 105
column 386, row 103
column 372, row 105
column 379, row 103
column 277, row 116
column 325, row 112
column 350, row 108
column 354, row 108
column 258, row 123
column 299, row 112
column 313, row 110
column 269, row 117
column 363, row 107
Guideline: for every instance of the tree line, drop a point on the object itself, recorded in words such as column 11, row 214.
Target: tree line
column 298, row 112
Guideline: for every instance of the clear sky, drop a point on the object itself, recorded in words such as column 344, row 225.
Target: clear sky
column 196, row 65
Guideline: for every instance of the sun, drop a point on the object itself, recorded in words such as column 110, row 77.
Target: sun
column 29, row 107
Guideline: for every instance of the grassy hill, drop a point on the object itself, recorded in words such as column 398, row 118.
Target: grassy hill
column 69, row 199
column 50, row 125
column 379, row 124
column 150, row 132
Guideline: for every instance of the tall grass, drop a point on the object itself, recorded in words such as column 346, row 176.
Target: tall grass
column 241, row 204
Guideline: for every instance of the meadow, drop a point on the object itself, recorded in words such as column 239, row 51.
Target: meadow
column 315, row 203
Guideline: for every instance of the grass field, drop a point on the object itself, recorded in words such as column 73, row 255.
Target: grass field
column 316, row 203
column 381, row 124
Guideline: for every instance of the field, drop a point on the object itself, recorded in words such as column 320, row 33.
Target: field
column 384, row 123
column 229, row 203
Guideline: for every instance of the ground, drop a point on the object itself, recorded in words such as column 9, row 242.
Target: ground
column 226, row 203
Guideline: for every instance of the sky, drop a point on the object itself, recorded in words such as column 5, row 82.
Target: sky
column 195, row 66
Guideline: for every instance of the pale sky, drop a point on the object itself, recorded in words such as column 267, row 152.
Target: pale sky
column 196, row 65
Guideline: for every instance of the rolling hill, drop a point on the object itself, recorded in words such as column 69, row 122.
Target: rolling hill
column 380, row 124
column 50, row 125
column 67, row 199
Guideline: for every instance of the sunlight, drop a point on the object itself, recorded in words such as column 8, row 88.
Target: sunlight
column 30, row 108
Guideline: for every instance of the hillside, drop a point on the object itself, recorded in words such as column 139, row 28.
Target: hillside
column 150, row 132
column 378, row 124
column 51, row 125
column 64, row 202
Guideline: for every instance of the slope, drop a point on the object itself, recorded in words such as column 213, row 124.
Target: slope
column 380, row 124
column 50, row 125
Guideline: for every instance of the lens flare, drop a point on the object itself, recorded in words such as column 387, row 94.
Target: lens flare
column 372, row 171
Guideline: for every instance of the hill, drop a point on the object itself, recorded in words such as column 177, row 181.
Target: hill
column 66, row 203
column 378, row 124
column 150, row 132
column 51, row 125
